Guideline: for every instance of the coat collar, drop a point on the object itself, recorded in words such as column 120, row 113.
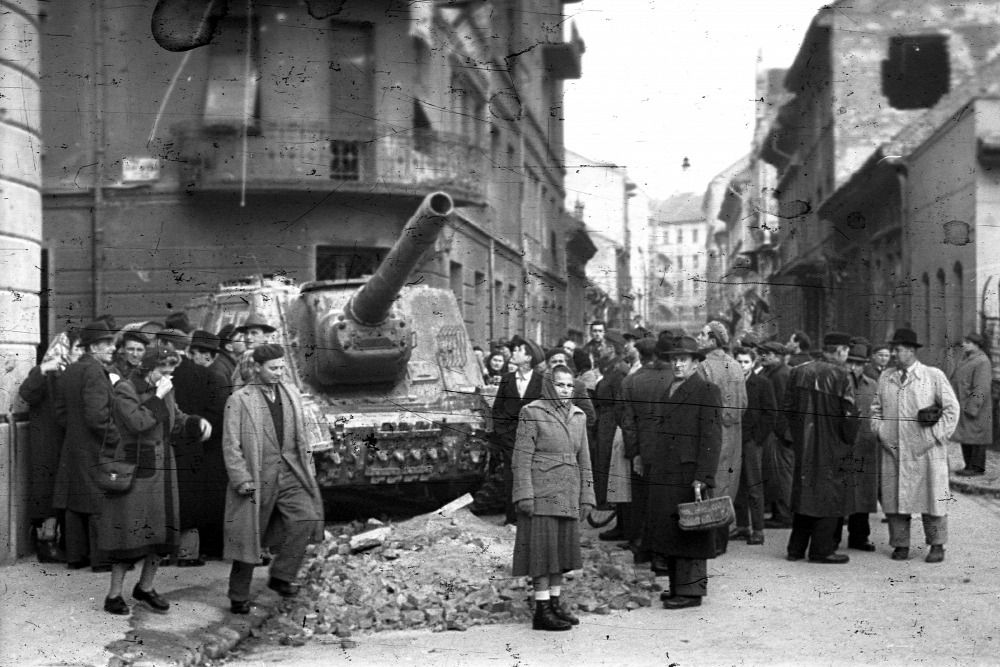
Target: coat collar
column 917, row 370
column 683, row 391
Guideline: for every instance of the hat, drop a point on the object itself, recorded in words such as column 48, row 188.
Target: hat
column 175, row 337
column 837, row 338
column 178, row 320
column 684, row 345
column 976, row 338
column 774, row 347
column 558, row 349
column 225, row 334
column 721, row 332
column 137, row 336
column 96, row 331
column 615, row 337
column 157, row 356
column 530, row 347
column 267, row 352
column 205, row 341
column 878, row 346
column 664, row 343
column 859, row 353
column 907, row 337
column 255, row 321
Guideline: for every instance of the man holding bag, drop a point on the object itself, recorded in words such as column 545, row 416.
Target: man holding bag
column 914, row 446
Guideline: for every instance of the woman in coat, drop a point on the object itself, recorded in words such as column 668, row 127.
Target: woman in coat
column 971, row 382
column 142, row 523
column 45, row 437
column 553, row 490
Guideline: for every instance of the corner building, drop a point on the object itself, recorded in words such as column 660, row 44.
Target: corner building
column 298, row 142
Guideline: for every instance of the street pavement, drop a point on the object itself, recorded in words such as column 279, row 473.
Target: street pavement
column 761, row 609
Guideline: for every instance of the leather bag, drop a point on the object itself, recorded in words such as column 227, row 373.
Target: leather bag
column 930, row 415
column 706, row 514
column 113, row 474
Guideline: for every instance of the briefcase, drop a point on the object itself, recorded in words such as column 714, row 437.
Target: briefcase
column 706, row 514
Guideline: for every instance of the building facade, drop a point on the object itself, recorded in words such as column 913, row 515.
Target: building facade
column 678, row 262
column 298, row 143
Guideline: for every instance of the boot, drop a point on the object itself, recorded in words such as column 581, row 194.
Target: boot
column 545, row 619
column 936, row 554
column 562, row 612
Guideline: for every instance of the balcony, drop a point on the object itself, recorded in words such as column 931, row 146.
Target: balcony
column 315, row 158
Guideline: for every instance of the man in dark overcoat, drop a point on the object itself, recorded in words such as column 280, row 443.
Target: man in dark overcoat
column 231, row 347
column 862, row 493
column 641, row 427
column 614, row 368
column 515, row 390
column 678, row 467
column 778, row 457
column 84, row 408
column 822, row 416
column 757, row 426
column 971, row 381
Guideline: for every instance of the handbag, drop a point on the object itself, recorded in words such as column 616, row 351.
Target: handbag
column 706, row 514
column 113, row 474
column 930, row 415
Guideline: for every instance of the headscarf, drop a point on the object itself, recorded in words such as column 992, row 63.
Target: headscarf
column 551, row 397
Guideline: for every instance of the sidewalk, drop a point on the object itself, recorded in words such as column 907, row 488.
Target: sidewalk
column 51, row 615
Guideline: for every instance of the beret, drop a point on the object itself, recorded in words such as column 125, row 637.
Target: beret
column 267, row 352
column 837, row 338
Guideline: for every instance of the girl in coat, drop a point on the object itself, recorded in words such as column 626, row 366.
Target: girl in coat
column 553, row 491
column 141, row 524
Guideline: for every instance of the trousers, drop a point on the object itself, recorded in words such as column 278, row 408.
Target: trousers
column 816, row 533
column 975, row 457
column 777, row 477
column 935, row 529
column 688, row 576
column 749, row 501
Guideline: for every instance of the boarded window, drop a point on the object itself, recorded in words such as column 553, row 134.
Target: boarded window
column 346, row 262
column 231, row 95
column 917, row 72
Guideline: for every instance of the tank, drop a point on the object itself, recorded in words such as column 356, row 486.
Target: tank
column 393, row 393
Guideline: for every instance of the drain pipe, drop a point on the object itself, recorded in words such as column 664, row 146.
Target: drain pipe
column 97, row 159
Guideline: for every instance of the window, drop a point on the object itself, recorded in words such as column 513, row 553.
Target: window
column 694, row 236
column 680, row 236
column 346, row 262
column 231, row 96
column 680, row 263
column 351, row 76
column 917, row 72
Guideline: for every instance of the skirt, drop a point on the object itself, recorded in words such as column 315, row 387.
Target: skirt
column 546, row 545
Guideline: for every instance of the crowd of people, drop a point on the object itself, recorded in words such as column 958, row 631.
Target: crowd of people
column 800, row 441
column 215, row 446
column 629, row 421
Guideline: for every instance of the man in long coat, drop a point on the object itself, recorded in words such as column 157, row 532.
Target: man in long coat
column 614, row 368
column 779, row 457
column 678, row 465
column 914, row 455
column 862, row 493
column 971, row 381
column 84, row 407
column 757, row 427
column 822, row 419
column 722, row 370
column 273, row 499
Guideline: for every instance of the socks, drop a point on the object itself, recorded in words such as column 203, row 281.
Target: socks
column 555, row 591
column 542, row 595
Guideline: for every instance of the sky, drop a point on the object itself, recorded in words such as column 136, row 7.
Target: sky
column 668, row 79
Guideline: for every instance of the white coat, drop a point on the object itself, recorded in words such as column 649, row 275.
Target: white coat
column 914, row 457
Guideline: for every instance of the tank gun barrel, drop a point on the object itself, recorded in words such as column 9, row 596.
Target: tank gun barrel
column 371, row 304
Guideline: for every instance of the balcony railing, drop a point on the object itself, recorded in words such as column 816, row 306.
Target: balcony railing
column 307, row 157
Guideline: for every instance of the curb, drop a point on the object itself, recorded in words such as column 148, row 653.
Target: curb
column 212, row 643
column 972, row 488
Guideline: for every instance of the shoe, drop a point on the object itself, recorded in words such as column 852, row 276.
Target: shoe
column 666, row 595
column 756, row 537
column 78, row 564
column 794, row 557
column 613, row 535
column 862, row 546
column 101, row 569
column 682, row 602
column 116, row 606
column 239, row 606
column 936, row 554
column 190, row 562
column 562, row 612
column 153, row 599
column 545, row 618
column 968, row 472
column 49, row 552
column 641, row 557
column 780, row 525
column 832, row 559
column 739, row 534
column 901, row 553
column 285, row 589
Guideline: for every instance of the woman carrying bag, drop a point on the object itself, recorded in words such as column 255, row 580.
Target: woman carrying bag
column 553, row 491
column 141, row 523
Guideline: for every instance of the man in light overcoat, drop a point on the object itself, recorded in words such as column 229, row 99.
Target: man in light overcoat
column 273, row 499
column 914, row 454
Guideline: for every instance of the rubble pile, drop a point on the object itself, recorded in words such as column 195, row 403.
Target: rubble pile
column 440, row 573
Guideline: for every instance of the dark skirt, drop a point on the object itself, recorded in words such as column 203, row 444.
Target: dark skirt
column 546, row 545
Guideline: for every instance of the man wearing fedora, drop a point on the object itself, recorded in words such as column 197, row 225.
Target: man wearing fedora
column 678, row 462
column 971, row 381
column 914, row 413
column 255, row 331
column 822, row 418
column 84, row 407
column 778, row 456
column 515, row 390
column 862, row 494
column 231, row 348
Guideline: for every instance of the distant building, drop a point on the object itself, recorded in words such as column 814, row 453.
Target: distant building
column 299, row 144
column 678, row 262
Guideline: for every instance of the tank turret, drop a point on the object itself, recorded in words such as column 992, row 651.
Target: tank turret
column 365, row 342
